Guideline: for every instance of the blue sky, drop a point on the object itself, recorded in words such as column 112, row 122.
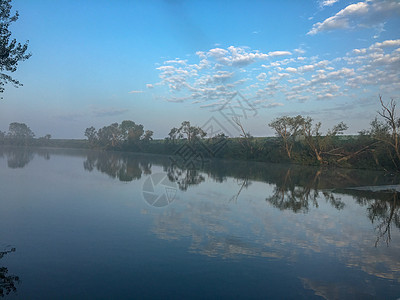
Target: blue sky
column 159, row 63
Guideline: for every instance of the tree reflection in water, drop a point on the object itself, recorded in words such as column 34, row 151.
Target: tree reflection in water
column 383, row 209
column 18, row 158
column 116, row 165
column 298, row 198
column 296, row 188
column 244, row 184
column 184, row 178
column 7, row 282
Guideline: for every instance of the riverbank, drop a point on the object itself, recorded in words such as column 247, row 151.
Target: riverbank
column 356, row 152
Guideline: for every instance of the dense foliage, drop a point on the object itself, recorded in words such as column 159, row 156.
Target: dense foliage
column 11, row 52
column 298, row 140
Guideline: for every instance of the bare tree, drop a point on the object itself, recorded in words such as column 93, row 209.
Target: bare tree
column 322, row 145
column 387, row 131
column 246, row 139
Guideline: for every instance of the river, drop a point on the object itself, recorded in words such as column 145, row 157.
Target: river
column 78, row 224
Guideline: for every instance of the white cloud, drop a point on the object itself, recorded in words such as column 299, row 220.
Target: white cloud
column 387, row 43
column 227, row 71
column 176, row 61
column 306, row 68
column 360, row 51
column 299, row 51
column 325, row 96
column 328, row 3
column 368, row 13
column 149, row 86
column 279, row 53
column 291, row 70
column 222, row 75
column 272, row 105
column 341, row 19
column 378, row 30
column 217, row 52
column 262, row 77
column 234, row 56
column 135, row 92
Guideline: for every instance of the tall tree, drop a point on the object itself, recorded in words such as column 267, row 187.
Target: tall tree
column 148, row 136
column 173, row 135
column 11, row 52
column 287, row 128
column 20, row 131
column 109, row 136
column 91, row 135
column 387, row 130
column 186, row 131
column 245, row 139
column 191, row 132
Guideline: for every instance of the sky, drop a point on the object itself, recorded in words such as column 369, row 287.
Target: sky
column 159, row 63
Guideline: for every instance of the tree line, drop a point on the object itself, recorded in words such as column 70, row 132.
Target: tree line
column 298, row 139
column 18, row 134
column 379, row 145
column 127, row 136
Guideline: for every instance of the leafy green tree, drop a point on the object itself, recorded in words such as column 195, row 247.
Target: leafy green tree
column 126, row 128
column 148, row 135
column 109, row 136
column 191, row 132
column 11, row 52
column 174, row 135
column 20, row 131
column 118, row 136
column 91, row 134
column 186, row 131
column 131, row 132
column 287, row 129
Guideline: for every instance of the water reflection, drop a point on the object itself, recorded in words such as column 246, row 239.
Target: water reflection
column 20, row 157
column 243, row 184
column 383, row 209
column 334, row 238
column 341, row 243
column 184, row 178
column 295, row 188
column 288, row 195
column 125, row 167
column 7, row 281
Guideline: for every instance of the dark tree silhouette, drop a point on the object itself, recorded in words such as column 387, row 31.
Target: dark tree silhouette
column 7, row 282
column 11, row 52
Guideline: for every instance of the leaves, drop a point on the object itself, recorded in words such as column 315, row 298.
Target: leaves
column 11, row 52
column 116, row 135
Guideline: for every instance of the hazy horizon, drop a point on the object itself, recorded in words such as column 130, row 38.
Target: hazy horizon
column 159, row 63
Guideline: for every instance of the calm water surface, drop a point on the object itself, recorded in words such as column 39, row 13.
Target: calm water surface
column 80, row 225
